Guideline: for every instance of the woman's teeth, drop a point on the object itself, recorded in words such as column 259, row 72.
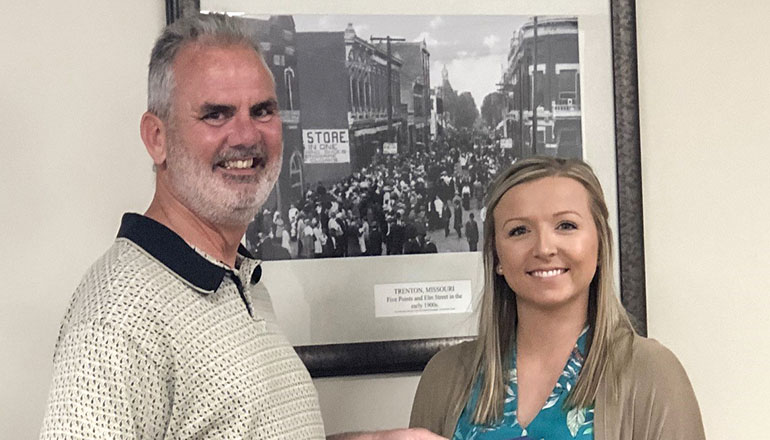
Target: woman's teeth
column 547, row 273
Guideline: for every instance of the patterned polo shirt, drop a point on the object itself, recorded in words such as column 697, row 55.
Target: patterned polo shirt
column 160, row 341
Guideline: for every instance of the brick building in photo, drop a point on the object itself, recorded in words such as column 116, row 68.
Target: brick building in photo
column 553, row 86
column 277, row 38
column 415, row 91
column 344, row 88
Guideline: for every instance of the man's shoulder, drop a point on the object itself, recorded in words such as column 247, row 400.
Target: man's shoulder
column 122, row 278
column 123, row 259
column 114, row 263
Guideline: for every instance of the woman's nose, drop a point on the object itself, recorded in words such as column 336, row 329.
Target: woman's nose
column 545, row 245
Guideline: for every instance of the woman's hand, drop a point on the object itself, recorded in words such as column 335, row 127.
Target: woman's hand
column 393, row 434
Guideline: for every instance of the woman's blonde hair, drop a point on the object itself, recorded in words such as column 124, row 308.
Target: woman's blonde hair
column 497, row 320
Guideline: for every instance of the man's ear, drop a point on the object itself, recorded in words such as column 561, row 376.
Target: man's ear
column 153, row 132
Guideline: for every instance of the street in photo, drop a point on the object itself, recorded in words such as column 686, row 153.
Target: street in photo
column 393, row 126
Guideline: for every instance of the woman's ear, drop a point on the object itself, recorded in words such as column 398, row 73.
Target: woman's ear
column 153, row 132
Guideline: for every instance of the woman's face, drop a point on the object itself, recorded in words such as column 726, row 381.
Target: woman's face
column 546, row 241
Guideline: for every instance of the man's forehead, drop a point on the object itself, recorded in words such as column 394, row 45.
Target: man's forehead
column 233, row 76
column 204, row 49
column 216, row 65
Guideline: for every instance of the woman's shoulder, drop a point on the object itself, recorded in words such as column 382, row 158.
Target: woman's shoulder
column 653, row 370
column 655, row 395
column 442, row 383
column 453, row 364
column 454, row 356
column 651, row 358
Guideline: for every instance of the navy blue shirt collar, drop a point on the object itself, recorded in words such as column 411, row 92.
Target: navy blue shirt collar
column 172, row 251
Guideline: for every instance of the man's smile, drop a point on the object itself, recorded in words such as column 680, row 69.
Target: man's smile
column 242, row 163
column 237, row 164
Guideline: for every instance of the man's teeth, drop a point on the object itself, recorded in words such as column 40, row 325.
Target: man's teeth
column 547, row 273
column 238, row 164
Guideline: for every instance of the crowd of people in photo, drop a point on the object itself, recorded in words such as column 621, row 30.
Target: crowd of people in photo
column 389, row 207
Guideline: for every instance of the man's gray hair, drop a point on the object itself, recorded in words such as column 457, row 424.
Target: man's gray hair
column 213, row 30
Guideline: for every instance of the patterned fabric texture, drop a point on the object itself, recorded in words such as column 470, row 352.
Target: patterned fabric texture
column 145, row 354
column 553, row 422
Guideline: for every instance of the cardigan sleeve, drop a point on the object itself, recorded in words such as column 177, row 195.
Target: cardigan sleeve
column 435, row 402
column 664, row 404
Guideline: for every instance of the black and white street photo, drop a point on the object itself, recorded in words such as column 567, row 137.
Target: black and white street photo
column 393, row 126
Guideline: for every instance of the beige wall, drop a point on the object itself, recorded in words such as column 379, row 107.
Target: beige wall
column 73, row 89
column 705, row 118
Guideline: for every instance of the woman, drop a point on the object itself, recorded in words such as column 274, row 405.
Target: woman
column 556, row 356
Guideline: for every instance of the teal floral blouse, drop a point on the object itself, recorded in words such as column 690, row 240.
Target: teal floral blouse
column 551, row 423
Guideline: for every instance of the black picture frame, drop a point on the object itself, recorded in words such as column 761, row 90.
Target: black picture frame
column 412, row 355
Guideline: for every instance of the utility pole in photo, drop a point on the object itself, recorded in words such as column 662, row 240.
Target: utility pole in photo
column 388, row 39
column 534, row 88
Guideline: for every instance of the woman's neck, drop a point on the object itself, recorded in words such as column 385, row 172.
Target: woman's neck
column 542, row 333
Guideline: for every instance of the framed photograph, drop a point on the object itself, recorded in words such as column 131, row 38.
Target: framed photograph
column 395, row 119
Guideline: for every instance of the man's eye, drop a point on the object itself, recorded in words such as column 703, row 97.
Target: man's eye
column 264, row 114
column 214, row 117
column 566, row 226
column 517, row 231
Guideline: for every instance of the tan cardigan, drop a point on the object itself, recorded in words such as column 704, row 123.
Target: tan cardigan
column 656, row 400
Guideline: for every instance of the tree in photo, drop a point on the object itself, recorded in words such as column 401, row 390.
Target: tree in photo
column 466, row 112
column 492, row 109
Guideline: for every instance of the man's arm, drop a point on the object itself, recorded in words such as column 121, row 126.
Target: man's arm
column 393, row 434
column 103, row 387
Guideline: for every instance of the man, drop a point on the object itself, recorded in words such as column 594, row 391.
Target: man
column 472, row 233
column 170, row 334
column 446, row 214
column 320, row 239
column 396, row 235
column 336, row 233
column 458, row 218
column 429, row 247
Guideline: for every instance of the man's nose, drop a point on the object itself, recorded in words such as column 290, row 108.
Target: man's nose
column 244, row 130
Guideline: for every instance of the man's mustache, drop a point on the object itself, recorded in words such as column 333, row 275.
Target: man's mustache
column 240, row 152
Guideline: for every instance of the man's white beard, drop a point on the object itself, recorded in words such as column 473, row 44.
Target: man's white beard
column 209, row 195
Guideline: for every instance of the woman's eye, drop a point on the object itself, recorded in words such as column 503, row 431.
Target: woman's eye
column 515, row 232
column 567, row 226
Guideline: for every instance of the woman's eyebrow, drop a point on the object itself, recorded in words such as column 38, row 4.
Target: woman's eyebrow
column 567, row 211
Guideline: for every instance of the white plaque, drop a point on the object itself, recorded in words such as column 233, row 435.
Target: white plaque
column 423, row 298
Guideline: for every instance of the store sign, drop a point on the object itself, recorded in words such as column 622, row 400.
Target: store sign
column 389, row 148
column 326, row 146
